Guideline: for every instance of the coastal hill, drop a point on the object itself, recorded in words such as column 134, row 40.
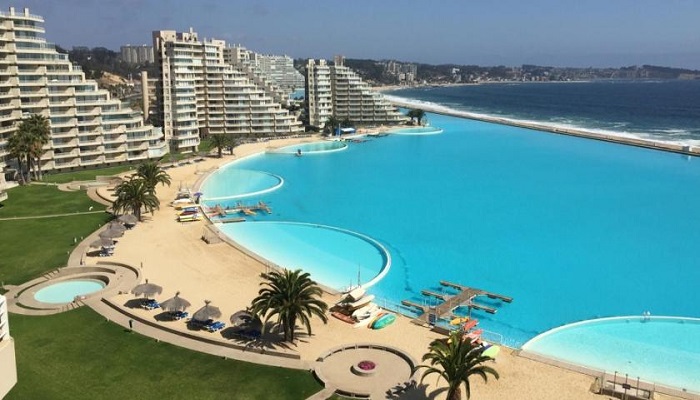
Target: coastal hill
column 97, row 61
column 391, row 72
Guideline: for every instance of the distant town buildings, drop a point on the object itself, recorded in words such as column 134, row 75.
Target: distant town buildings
column 137, row 54
column 8, row 364
column 88, row 127
column 406, row 73
column 199, row 93
column 335, row 90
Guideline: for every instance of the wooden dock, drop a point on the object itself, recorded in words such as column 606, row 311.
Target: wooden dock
column 465, row 297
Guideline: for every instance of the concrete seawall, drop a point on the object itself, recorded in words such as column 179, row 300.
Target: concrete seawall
column 638, row 142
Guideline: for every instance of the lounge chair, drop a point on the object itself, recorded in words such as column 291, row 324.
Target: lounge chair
column 215, row 326
column 150, row 304
column 178, row 315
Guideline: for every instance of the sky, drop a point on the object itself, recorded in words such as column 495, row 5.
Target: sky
column 583, row 33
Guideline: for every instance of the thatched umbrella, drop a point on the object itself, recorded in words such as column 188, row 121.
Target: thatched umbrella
column 207, row 312
column 102, row 242
column 116, row 226
column 128, row 219
column 176, row 303
column 111, row 233
column 246, row 319
column 146, row 289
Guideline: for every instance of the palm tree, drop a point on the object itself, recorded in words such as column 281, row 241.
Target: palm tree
column 219, row 141
column 457, row 360
column 134, row 195
column 18, row 146
column 152, row 174
column 411, row 114
column 331, row 123
column 291, row 296
column 419, row 114
column 36, row 128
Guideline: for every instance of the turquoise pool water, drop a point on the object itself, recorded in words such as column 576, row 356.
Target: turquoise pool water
column 332, row 256
column 572, row 229
column 631, row 345
column 229, row 182
column 313, row 148
column 422, row 130
column 66, row 291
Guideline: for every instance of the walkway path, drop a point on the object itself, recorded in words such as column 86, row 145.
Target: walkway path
column 52, row 215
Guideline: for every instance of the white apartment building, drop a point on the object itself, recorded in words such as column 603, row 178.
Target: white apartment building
column 8, row 364
column 88, row 128
column 319, row 98
column 337, row 90
column 136, row 54
column 199, row 93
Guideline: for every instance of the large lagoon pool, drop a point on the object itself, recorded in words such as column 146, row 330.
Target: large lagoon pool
column 572, row 229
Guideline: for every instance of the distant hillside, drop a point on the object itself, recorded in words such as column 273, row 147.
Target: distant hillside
column 98, row 60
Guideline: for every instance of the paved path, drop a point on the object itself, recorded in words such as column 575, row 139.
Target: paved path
column 52, row 215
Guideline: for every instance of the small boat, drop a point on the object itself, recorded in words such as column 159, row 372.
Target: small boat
column 383, row 321
column 353, row 295
column 189, row 217
column 470, row 325
column 474, row 336
column 364, row 312
column 359, row 303
column 343, row 317
column 371, row 317
column 459, row 320
column 180, row 206
column 491, row 351
column 189, row 211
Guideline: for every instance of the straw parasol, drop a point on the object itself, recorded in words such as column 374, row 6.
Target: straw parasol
column 245, row 319
column 207, row 312
column 146, row 289
column 116, row 226
column 102, row 242
column 129, row 219
column 176, row 303
column 111, row 233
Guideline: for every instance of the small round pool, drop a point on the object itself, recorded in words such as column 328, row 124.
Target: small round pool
column 334, row 257
column 663, row 350
column 230, row 183
column 423, row 130
column 67, row 291
column 312, row 148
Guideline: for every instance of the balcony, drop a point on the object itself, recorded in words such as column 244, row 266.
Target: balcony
column 70, row 154
column 91, row 160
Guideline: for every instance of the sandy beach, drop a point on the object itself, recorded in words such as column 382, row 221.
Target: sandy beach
column 174, row 256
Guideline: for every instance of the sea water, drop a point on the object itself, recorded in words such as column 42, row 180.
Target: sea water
column 651, row 109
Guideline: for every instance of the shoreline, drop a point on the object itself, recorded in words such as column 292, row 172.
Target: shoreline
column 683, row 149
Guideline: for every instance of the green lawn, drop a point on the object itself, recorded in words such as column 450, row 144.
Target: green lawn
column 78, row 355
column 33, row 200
column 86, row 175
column 32, row 247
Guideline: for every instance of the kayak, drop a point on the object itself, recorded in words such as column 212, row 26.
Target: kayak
column 383, row 321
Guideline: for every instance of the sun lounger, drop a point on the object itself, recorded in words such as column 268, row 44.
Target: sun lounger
column 150, row 304
column 178, row 315
column 215, row 326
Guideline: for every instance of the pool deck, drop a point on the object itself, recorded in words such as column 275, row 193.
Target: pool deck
column 174, row 256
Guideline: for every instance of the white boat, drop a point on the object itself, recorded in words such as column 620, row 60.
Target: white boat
column 363, row 312
column 364, row 322
column 359, row 303
column 353, row 295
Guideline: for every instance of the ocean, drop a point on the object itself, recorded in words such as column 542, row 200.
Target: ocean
column 659, row 110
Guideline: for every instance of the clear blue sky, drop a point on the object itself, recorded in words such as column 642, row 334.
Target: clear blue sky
column 485, row 32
